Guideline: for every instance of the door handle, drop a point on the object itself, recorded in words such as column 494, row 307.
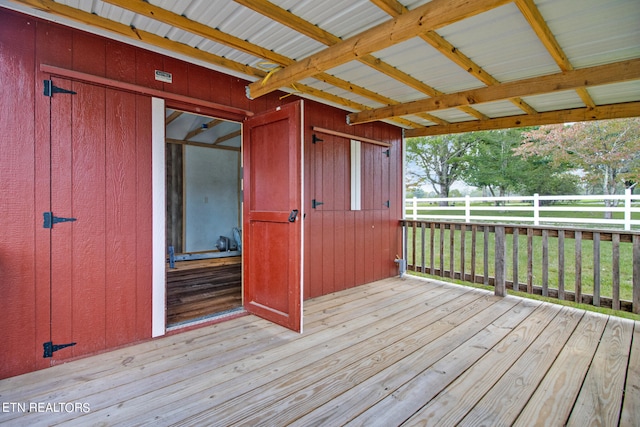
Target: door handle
column 293, row 215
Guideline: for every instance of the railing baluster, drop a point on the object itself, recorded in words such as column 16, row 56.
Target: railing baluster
column 615, row 271
column 516, row 280
column 474, row 233
column 578, row 268
column 636, row 274
column 500, row 287
column 452, row 255
column 463, row 229
column 530, row 260
column 432, row 249
column 441, row 249
column 486, row 255
column 413, row 254
column 596, row 269
column 423, row 245
column 561, row 264
column 545, row 263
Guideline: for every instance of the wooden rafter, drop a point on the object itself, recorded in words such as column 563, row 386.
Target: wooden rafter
column 173, row 19
column 204, row 127
column 227, row 137
column 531, row 13
column 395, row 8
column 200, row 144
column 584, row 114
column 431, row 16
column 171, row 117
column 298, row 24
column 569, row 80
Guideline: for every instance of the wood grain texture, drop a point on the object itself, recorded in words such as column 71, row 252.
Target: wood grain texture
column 370, row 355
column 197, row 292
column 599, row 400
column 20, row 242
column 631, row 404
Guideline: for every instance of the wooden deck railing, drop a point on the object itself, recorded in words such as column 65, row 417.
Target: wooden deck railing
column 597, row 267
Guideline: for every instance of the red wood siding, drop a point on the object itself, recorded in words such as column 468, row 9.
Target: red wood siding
column 18, row 171
column 343, row 248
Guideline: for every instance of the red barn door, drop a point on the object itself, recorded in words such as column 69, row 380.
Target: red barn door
column 93, row 248
column 273, row 215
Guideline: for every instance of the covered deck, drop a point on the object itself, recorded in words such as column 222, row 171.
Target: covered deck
column 396, row 351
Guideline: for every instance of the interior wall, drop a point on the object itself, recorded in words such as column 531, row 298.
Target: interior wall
column 212, row 197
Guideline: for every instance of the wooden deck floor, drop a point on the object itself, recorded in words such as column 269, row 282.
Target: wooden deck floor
column 396, row 351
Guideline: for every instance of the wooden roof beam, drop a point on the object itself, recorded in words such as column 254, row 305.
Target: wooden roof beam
column 584, row 114
column 310, row 30
column 395, row 8
column 430, row 16
column 537, row 22
column 162, row 15
column 568, row 80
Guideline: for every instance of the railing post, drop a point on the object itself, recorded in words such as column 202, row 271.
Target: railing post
column 500, row 286
column 467, row 209
column 415, row 208
column 627, row 209
column 636, row 275
column 536, row 209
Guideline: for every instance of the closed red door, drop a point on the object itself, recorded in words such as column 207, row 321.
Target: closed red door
column 272, row 156
column 94, row 260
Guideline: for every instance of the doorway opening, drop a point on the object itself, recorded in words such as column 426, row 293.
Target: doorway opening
column 203, row 217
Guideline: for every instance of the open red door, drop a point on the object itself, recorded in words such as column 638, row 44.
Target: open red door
column 272, row 211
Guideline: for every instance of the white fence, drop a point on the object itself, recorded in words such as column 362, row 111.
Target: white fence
column 531, row 210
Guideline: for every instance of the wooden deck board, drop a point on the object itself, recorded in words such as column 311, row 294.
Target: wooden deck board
column 631, row 405
column 601, row 394
column 502, row 404
column 380, row 354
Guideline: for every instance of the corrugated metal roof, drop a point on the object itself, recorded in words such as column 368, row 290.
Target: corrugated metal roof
column 497, row 45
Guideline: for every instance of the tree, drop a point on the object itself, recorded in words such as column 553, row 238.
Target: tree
column 437, row 160
column 607, row 151
column 493, row 164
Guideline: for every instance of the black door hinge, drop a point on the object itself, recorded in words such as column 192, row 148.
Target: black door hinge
column 388, row 203
column 315, row 204
column 49, row 220
column 50, row 347
column 387, row 152
column 50, row 89
column 316, row 139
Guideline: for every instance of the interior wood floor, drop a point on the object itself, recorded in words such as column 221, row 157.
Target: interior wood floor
column 393, row 352
column 203, row 287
